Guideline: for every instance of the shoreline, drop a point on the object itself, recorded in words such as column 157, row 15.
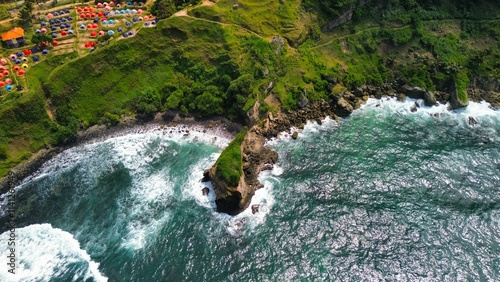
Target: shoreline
column 255, row 153
column 217, row 125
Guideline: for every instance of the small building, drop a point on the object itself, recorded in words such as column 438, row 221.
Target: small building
column 14, row 38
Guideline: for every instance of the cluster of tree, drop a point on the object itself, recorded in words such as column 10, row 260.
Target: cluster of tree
column 165, row 8
column 200, row 89
column 26, row 13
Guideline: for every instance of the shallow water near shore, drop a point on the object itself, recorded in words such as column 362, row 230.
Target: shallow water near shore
column 384, row 194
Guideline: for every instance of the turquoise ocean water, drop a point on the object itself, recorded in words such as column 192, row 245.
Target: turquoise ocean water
column 385, row 194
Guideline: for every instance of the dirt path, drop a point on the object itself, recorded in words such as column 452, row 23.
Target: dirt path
column 181, row 13
column 207, row 3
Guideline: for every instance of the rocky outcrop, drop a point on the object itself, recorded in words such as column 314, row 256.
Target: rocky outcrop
column 256, row 157
column 345, row 17
column 455, row 101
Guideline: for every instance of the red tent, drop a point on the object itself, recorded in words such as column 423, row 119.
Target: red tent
column 2, row 68
column 16, row 68
column 55, row 43
column 100, row 14
column 103, row 19
column 2, row 84
column 88, row 15
column 88, row 44
column 95, row 25
column 27, row 52
column 1, row 76
column 93, row 34
column 8, row 81
column 43, row 44
column 64, row 32
column 21, row 72
column 6, row 73
column 89, row 26
column 79, row 10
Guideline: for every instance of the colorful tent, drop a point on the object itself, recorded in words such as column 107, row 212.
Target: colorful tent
column 42, row 24
column 27, row 52
column 146, row 18
column 21, row 72
column 9, row 87
column 93, row 34
column 12, row 56
column 50, row 16
column 24, row 66
column 64, row 32
column 1, row 76
column 24, row 59
column 101, row 33
column 43, row 30
column 2, row 68
column 55, row 43
column 70, row 31
column 54, row 35
column 5, row 73
column 2, row 84
column 45, row 51
column 36, row 58
column 82, row 26
column 111, row 21
column 95, row 25
column 111, row 33
column 139, row 11
column 3, row 61
column 8, row 81
column 89, row 26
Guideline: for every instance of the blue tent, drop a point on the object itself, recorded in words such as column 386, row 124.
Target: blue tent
column 9, row 87
column 53, row 28
column 35, row 49
column 125, row 35
column 106, row 13
column 54, row 35
column 146, row 23
column 111, row 21
column 82, row 26
column 70, row 18
column 111, row 33
column 36, row 58
column 52, row 22
column 153, row 21
column 37, row 30
column 19, row 54
column 42, row 24
column 120, row 29
column 58, row 21
column 96, row 20
column 70, row 31
column 45, row 51
column 64, row 20
column 127, row 23
column 55, row 14
column 104, row 22
column 17, row 61
column 130, row 33
column 134, row 19
column 66, row 11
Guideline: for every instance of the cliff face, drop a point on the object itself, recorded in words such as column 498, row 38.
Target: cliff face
column 255, row 157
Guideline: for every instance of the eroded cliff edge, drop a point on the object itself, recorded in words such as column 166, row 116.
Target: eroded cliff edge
column 235, row 195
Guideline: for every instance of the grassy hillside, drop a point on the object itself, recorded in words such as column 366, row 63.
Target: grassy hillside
column 220, row 59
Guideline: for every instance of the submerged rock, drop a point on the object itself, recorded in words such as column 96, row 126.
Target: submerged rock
column 205, row 191
column 255, row 209
column 472, row 121
column 295, row 134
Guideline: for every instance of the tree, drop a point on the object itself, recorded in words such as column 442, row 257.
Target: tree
column 40, row 37
column 163, row 9
column 26, row 13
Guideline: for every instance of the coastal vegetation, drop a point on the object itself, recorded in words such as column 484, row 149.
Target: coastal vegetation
column 220, row 60
column 228, row 166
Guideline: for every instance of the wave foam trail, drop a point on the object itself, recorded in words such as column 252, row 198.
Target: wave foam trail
column 46, row 254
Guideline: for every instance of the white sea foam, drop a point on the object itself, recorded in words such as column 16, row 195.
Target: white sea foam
column 143, row 207
column 45, row 253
